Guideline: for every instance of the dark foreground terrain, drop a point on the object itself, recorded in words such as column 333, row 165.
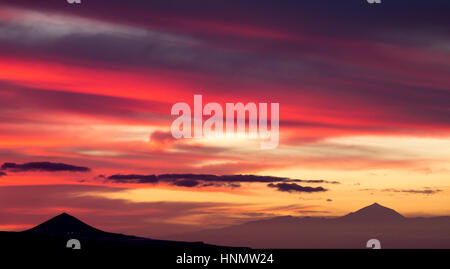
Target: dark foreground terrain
column 55, row 233
column 47, row 244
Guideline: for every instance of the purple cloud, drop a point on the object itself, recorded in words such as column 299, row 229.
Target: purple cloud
column 43, row 167
column 292, row 187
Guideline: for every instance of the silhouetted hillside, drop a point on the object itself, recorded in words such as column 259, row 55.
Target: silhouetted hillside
column 67, row 225
column 53, row 235
column 349, row 231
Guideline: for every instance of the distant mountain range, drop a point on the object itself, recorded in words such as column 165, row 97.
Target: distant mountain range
column 350, row 231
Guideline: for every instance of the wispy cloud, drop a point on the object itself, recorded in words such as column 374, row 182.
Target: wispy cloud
column 412, row 191
column 425, row 190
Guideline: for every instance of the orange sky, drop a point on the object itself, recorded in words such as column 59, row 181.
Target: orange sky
column 367, row 111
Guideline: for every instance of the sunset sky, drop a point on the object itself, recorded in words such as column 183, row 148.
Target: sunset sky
column 86, row 93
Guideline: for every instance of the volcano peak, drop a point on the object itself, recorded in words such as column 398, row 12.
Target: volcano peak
column 374, row 212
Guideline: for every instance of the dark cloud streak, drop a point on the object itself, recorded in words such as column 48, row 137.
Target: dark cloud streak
column 292, row 187
column 207, row 180
column 43, row 167
column 134, row 178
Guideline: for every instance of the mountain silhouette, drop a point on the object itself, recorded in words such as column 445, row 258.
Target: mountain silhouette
column 349, row 231
column 374, row 212
column 64, row 224
column 54, row 234
column 67, row 225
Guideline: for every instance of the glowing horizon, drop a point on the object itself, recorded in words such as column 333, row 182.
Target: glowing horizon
column 364, row 115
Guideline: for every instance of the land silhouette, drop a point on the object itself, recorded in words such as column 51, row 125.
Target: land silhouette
column 351, row 231
column 54, row 233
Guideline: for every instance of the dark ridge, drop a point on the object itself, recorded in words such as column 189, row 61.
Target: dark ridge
column 67, row 225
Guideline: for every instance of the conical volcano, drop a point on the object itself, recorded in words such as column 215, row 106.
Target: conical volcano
column 65, row 224
column 52, row 232
column 374, row 212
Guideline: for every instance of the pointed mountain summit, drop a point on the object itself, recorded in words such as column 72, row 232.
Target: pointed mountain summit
column 54, row 233
column 65, row 224
column 69, row 226
column 374, row 212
